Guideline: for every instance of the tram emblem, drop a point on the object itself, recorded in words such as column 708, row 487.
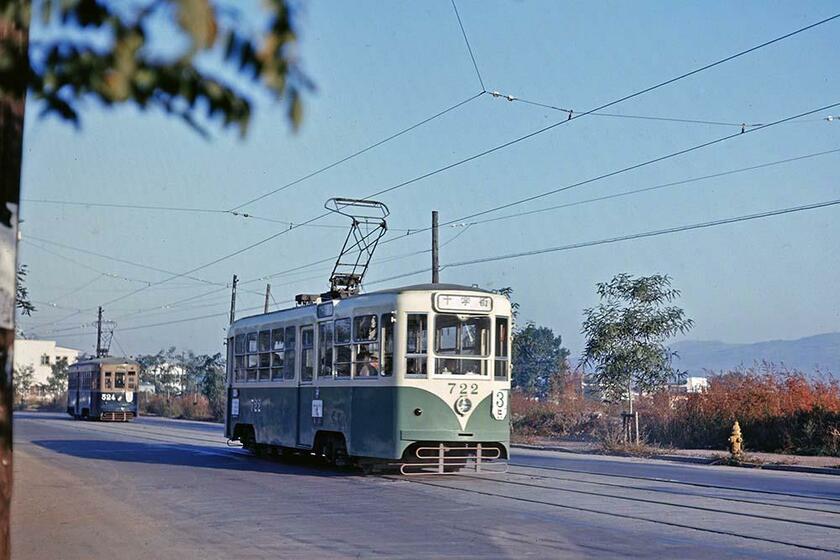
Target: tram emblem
column 463, row 405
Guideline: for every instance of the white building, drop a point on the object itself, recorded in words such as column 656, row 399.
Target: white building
column 691, row 385
column 41, row 354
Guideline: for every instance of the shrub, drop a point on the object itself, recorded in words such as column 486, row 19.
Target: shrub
column 189, row 407
column 568, row 415
column 779, row 411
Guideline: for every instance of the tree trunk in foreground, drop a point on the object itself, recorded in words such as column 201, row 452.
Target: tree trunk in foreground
column 13, row 43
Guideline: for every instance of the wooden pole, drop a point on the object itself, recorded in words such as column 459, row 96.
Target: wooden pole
column 267, row 295
column 233, row 299
column 99, row 333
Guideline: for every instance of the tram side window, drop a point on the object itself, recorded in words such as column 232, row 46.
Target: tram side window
column 365, row 330
column 417, row 344
column 325, row 349
column 307, row 353
column 387, row 364
column 239, row 359
column 278, row 349
column 501, row 348
column 264, row 346
column 240, row 368
column 253, row 361
column 343, row 348
column 289, row 360
column 132, row 380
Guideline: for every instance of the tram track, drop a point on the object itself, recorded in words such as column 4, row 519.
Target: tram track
column 636, row 499
column 475, row 486
column 613, row 514
column 675, row 493
column 144, row 434
column 681, row 482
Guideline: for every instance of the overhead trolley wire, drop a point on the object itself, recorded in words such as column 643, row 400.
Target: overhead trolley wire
column 643, row 164
column 496, row 258
column 610, row 240
column 360, row 152
column 742, row 125
column 656, row 187
column 463, row 219
column 604, row 106
column 503, row 146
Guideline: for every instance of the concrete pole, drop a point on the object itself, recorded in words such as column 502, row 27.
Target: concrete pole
column 435, row 249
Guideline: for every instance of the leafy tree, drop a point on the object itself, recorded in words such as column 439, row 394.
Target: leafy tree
column 102, row 50
column 57, row 380
column 212, row 382
column 538, row 359
column 164, row 370
column 23, row 379
column 514, row 305
column 22, row 292
column 627, row 331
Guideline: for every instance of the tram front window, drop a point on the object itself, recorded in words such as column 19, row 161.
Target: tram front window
column 461, row 344
column 119, row 380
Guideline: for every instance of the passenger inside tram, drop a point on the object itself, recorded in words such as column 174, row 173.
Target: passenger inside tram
column 370, row 367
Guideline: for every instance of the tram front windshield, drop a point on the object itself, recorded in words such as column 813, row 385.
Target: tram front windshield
column 462, row 344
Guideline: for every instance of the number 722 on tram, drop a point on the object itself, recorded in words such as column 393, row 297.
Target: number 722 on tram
column 417, row 376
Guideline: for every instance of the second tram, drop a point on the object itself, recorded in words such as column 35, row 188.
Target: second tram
column 103, row 389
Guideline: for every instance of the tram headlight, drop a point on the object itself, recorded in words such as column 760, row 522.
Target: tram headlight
column 463, row 405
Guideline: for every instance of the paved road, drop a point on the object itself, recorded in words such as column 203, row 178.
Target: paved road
column 169, row 489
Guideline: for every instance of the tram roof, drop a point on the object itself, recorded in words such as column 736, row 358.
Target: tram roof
column 108, row 361
column 430, row 287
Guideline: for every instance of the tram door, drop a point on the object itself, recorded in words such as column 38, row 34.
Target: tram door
column 78, row 405
column 305, row 391
column 309, row 405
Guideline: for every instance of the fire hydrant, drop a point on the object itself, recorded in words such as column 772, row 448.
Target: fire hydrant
column 736, row 442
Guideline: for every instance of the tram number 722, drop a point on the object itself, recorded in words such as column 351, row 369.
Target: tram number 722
column 464, row 388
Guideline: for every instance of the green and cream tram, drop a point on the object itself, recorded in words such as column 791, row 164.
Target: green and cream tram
column 415, row 376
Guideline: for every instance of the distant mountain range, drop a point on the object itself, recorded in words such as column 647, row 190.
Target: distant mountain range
column 811, row 354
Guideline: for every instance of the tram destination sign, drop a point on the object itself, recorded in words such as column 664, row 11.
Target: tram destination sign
column 461, row 303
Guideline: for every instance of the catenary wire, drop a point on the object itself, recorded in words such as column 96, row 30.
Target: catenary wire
column 496, row 258
column 515, row 141
column 360, row 152
column 610, row 240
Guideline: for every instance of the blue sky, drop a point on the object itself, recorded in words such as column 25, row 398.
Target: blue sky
column 380, row 67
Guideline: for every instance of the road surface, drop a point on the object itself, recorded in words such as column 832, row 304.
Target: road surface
column 161, row 488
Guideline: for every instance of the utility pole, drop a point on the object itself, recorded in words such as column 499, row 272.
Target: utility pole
column 99, row 333
column 233, row 299
column 435, row 249
column 267, row 295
